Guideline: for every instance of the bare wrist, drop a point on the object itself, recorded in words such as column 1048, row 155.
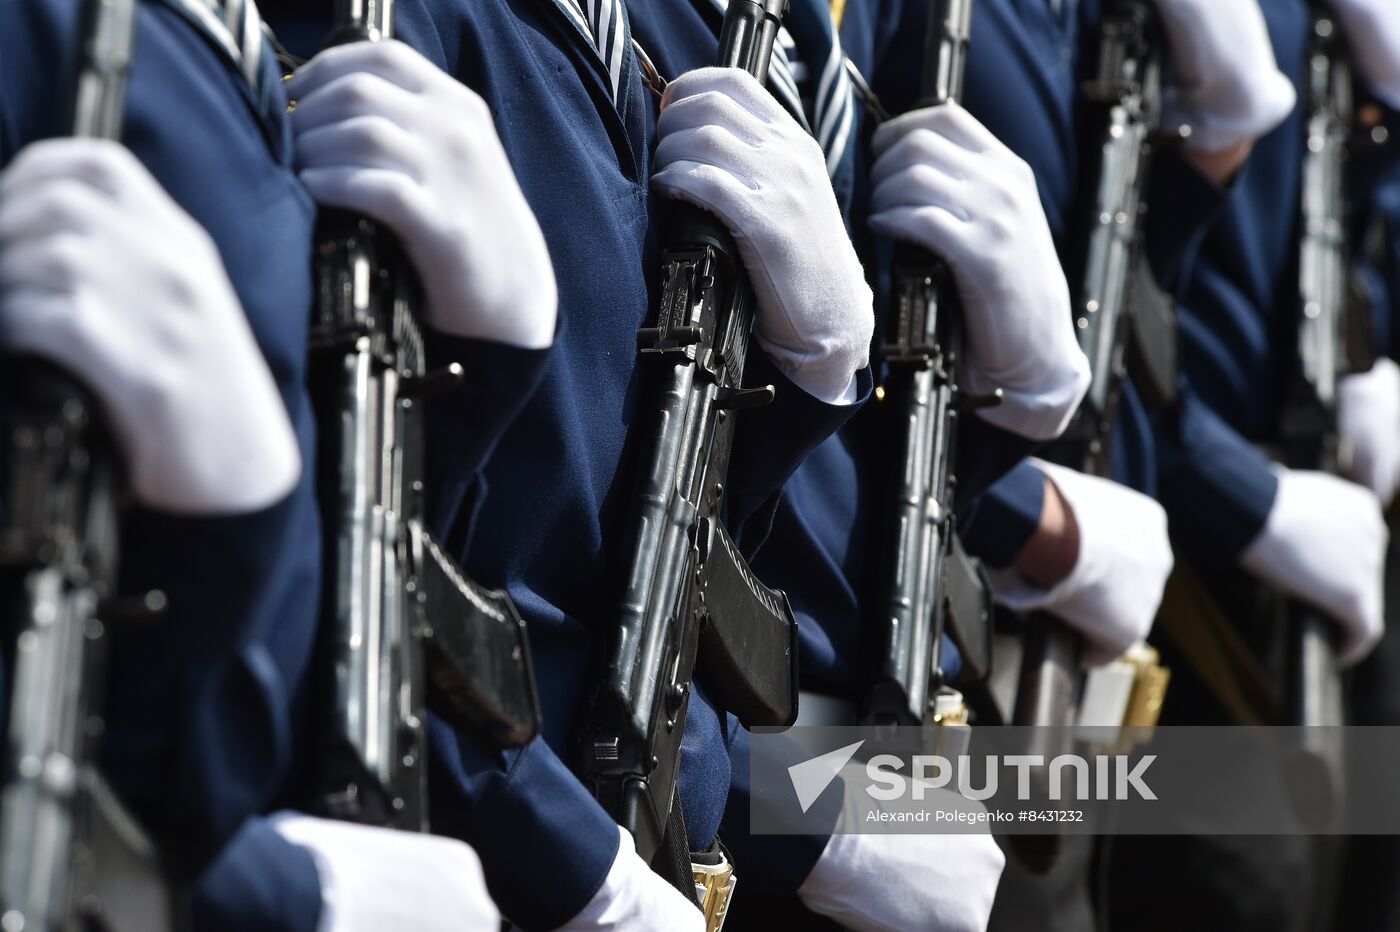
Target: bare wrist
column 1052, row 552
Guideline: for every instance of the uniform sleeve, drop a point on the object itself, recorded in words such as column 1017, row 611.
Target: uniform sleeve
column 259, row 881
column 544, row 842
column 465, row 423
column 1002, row 520
column 985, row 453
column 771, row 441
column 775, row 864
column 1182, row 203
column 1216, row 487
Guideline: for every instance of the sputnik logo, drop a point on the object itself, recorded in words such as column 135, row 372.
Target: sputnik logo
column 810, row 778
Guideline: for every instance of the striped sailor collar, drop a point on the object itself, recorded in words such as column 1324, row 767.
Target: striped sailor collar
column 236, row 31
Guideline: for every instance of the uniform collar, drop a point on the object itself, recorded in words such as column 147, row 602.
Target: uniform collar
column 257, row 76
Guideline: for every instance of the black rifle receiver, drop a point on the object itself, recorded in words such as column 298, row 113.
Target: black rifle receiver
column 403, row 628
column 692, row 608
column 1120, row 308
column 933, row 584
column 71, row 856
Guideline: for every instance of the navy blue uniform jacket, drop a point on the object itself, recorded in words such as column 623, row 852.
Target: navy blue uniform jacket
column 204, row 703
column 205, row 706
column 1024, row 71
column 1024, row 77
column 1238, row 313
column 546, row 518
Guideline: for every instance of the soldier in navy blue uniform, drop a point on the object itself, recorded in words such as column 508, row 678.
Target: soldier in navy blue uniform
column 960, row 873
column 1054, row 46
column 821, row 550
column 175, row 280
column 1238, row 517
column 201, row 714
column 1367, row 897
column 531, row 461
column 1112, row 584
column 545, row 518
column 1037, row 44
column 1230, row 507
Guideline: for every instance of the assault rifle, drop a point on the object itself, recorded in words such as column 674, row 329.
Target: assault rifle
column 1328, row 348
column 692, row 608
column 71, row 856
column 403, row 628
column 1123, row 321
column 934, row 585
column 1122, row 318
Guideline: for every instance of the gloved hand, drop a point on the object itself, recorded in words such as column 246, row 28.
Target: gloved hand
column 1227, row 85
column 633, row 896
column 943, row 181
column 1115, row 588
column 103, row 274
column 1368, row 420
column 1372, row 28
column 728, row 146
column 375, row 878
column 1324, row 542
column 382, row 131
column 904, row 883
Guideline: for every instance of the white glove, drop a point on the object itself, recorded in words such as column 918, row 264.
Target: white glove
column 726, row 145
column 1368, row 420
column 1125, row 557
column 382, row 131
column 632, row 897
column 904, row 883
column 103, row 274
column 943, row 181
column 1228, row 87
column 1372, row 28
column 375, row 878
column 1324, row 542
